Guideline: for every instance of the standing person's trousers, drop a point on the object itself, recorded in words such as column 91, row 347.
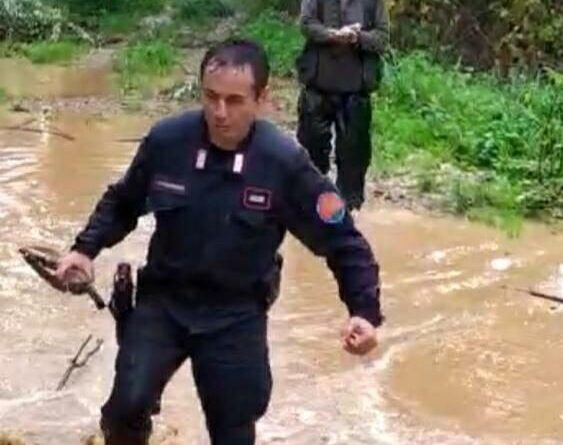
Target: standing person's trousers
column 351, row 116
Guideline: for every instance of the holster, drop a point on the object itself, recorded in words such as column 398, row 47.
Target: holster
column 121, row 303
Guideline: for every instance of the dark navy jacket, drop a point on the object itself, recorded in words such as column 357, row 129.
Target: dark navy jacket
column 222, row 215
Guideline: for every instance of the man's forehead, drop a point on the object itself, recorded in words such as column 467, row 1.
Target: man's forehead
column 220, row 66
column 229, row 79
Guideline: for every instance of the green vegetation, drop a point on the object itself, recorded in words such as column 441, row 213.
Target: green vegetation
column 7, row 50
column 281, row 38
column 110, row 17
column 3, row 96
column 53, row 52
column 60, row 52
column 118, row 23
column 484, row 134
column 81, row 10
column 254, row 7
column 485, row 34
column 502, row 142
column 140, row 63
column 28, row 20
column 201, row 10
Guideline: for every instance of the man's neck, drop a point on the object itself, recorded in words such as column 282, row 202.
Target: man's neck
column 224, row 145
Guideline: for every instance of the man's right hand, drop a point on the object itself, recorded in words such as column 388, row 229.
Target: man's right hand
column 72, row 262
column 344, row 35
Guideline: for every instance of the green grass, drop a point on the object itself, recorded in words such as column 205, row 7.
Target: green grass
column 118, row 23
column 3, row 95
column 504, row 140
column 45, row 52
column 141, row 63
column 198, row 11
column 281, row 38
column 508, row 221
column 8, row 50
column 80, row 9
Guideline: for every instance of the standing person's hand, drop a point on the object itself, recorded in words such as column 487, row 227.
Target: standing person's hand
column 73, row 264
column 358, row 336
column 356, row 27
column 351, row 33
column 345, row 35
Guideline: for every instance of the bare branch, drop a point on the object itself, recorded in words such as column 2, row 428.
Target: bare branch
column 77, row 362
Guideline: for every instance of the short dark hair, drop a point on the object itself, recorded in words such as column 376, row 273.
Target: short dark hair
column 237, row 53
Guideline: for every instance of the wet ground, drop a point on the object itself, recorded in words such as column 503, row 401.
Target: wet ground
column 462, row 360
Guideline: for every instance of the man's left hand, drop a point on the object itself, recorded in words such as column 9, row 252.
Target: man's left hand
column 351, row 33
column 358, row 336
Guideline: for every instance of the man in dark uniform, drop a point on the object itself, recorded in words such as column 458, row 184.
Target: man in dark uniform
column 224, row 187
column 339, row 67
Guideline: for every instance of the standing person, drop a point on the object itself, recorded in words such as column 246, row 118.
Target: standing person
column 224, row 187
column 339, row 67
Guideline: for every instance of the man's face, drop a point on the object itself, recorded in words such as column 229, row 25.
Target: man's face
column 230, row 103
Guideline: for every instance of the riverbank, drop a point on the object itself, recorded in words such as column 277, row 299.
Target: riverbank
column 444, row 140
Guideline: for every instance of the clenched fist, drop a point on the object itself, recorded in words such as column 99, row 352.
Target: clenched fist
column 358, row 336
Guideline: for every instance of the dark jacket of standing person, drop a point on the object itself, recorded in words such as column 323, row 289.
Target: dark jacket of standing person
column 340, row 65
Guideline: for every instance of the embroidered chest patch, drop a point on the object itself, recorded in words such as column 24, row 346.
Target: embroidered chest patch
column 257, row 199
column 166, row 184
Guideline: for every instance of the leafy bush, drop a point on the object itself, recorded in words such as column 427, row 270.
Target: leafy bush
column 513, row 132
column 97, row 8
column 140, row 62
column 257, row 6
column 52, row 52
column 280, row 37
column 198, row 10
column 117, row 23
column 483, row 33
column 26, row 20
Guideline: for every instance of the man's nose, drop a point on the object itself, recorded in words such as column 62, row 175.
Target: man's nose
column 221, row 109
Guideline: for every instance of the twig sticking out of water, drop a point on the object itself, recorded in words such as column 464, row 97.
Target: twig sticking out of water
column 23, row 124
column 535, row 293
column 77, row 362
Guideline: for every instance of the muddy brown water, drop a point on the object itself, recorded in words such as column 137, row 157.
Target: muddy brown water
column 462, row 360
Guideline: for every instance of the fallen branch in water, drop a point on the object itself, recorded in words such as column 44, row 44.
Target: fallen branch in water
column 535, row 293
column 23, row 124
column 37, row 130
column 76, row 362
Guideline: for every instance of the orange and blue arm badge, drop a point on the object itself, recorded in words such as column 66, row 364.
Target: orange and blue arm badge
column 331, row 208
